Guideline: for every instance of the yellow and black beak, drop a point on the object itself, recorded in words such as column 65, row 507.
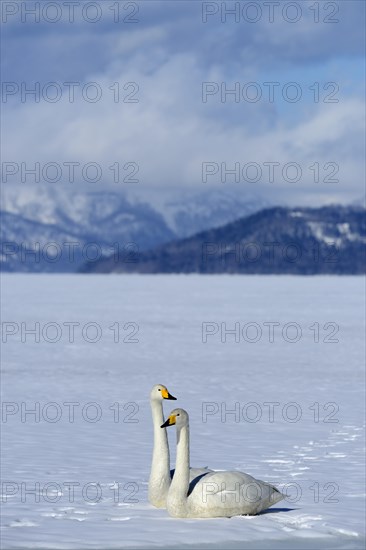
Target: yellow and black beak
column 166, row 395
column 169, row 422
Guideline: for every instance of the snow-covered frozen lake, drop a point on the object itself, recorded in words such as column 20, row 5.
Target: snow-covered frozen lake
column 283, row 402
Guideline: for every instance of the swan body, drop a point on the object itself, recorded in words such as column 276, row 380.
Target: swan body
column 217, row 494
column 161, row 475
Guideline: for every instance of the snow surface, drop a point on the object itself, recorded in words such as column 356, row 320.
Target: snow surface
column 321, row 461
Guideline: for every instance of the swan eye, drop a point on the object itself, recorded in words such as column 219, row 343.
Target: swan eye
column 159, row 389
column 178, row 414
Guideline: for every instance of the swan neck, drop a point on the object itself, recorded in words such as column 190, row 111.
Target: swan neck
column 181, row 475
column 160, row 460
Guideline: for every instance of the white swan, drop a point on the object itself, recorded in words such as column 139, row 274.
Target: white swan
column 161, row 475
column 217, row 494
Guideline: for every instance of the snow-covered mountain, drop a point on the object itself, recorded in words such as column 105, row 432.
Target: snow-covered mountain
column 306, row 241
column 53, row 229
column 187, row 213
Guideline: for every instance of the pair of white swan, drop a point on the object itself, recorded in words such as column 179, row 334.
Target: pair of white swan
column 161, row 475
column 198, row 493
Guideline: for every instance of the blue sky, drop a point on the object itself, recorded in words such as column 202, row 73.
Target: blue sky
column 169, row 53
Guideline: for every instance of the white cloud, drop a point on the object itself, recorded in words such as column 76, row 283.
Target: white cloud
column 170, row 132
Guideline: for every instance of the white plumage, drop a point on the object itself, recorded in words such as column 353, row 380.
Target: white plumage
column 161, row 475
column 216, row 494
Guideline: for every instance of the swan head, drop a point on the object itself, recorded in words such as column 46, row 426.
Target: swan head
column 160, row 392
column 178, row 417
